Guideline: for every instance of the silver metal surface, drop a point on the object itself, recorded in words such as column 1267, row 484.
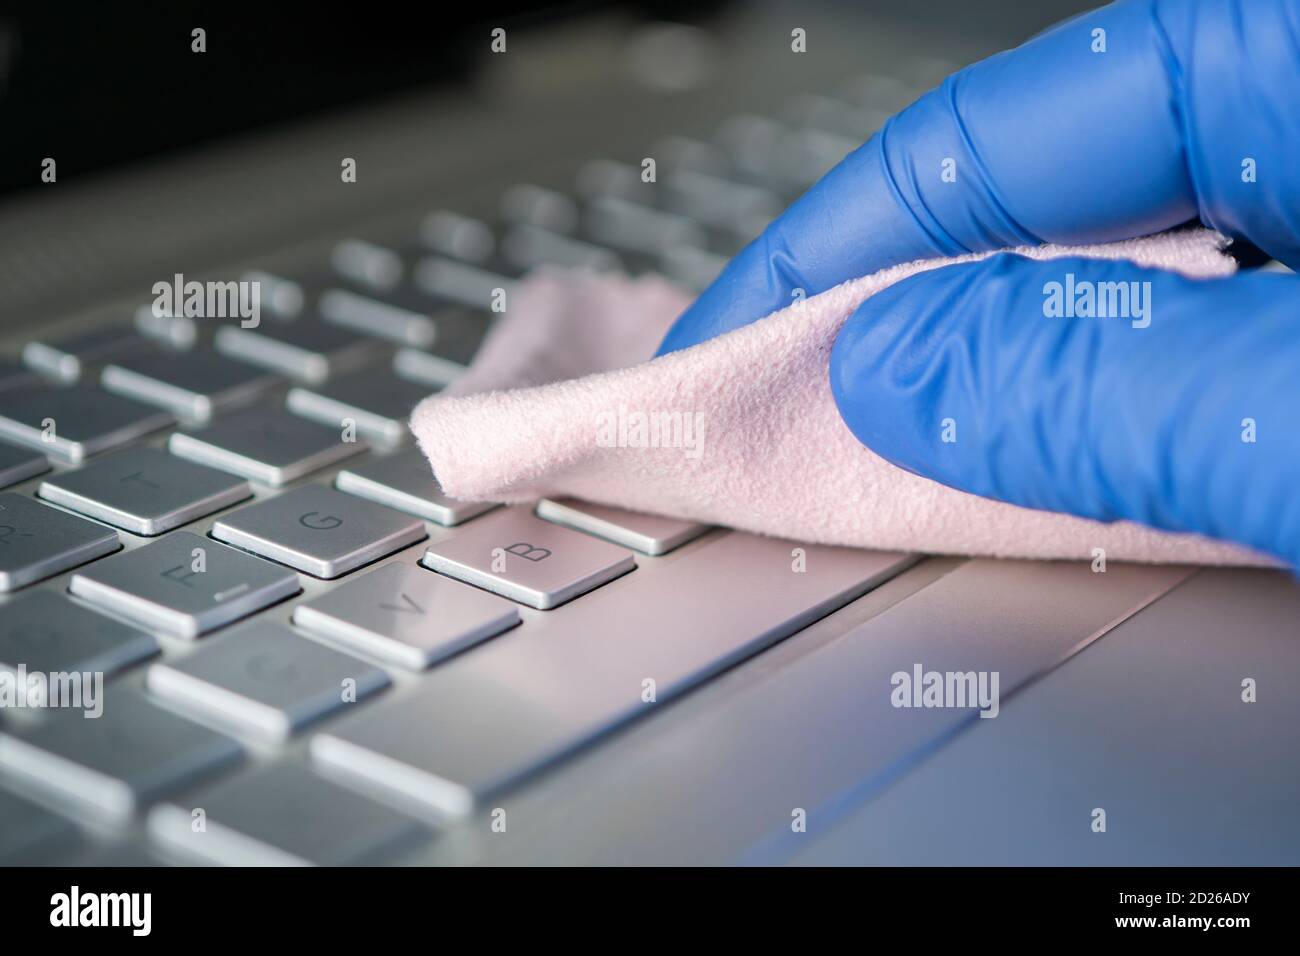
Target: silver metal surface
column 160, row 585
column 649, row 534
column 319, row 530
column 405, row 482
column 134, row 751
column 284, row 815
column 13, row 375
column 144, row 490
column 46, row 632
column 192, row 385
column 30, row 832
column 264, row 680
column 1150, row 724
column 19, row 464
column 406, row 615
column 37, row 541
column 823, row 714
column 528, row 560
column 266, row 445
column 74, row 422
column 533, row 695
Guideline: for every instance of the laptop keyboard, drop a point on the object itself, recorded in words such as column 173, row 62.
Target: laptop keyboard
column 421, row 674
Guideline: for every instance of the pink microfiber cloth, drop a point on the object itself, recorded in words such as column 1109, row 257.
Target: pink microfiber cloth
column 565, row 400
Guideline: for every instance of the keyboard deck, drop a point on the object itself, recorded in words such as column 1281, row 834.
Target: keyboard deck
column 312, row 655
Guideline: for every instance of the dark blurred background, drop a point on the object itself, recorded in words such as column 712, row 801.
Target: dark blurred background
column 100, row 83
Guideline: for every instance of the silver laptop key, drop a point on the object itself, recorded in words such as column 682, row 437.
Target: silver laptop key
column 685, row 152
column 528, row 560
column 76, row 422
column 184, row 585
column 716, row 201
column 266, row 445
column 133, row 752
column 46, row 632
column 649, row 534
column 369, row 316
column 528, row 205
column 377, row 402
column 405, row 481
column 406, row 615
column 525, row 247
column 67, row 358
column 192, row 385
column 172, row 331
column 29, row 833
column 458, row 236
column 508, row 708
column 264, row 680
column 19, row 464
column 880, row 91
column 37, row 541
column 460, row 282
column 753, row 144
column 636, row 228
column 609, row 177
column 367, row 264
column 283, row 297
column 306, row 349
column 284, row 815
column 319, row 530
column 144, row 490
column 435, row 371
column 833, row 115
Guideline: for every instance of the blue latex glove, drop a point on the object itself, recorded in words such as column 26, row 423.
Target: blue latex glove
column 1191, row 423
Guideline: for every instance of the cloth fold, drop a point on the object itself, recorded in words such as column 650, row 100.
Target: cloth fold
column 564, row 399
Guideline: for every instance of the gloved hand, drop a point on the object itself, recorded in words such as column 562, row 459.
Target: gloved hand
column 1122, row 122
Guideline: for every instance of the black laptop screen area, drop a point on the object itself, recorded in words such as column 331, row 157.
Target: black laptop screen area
column 98, row 84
